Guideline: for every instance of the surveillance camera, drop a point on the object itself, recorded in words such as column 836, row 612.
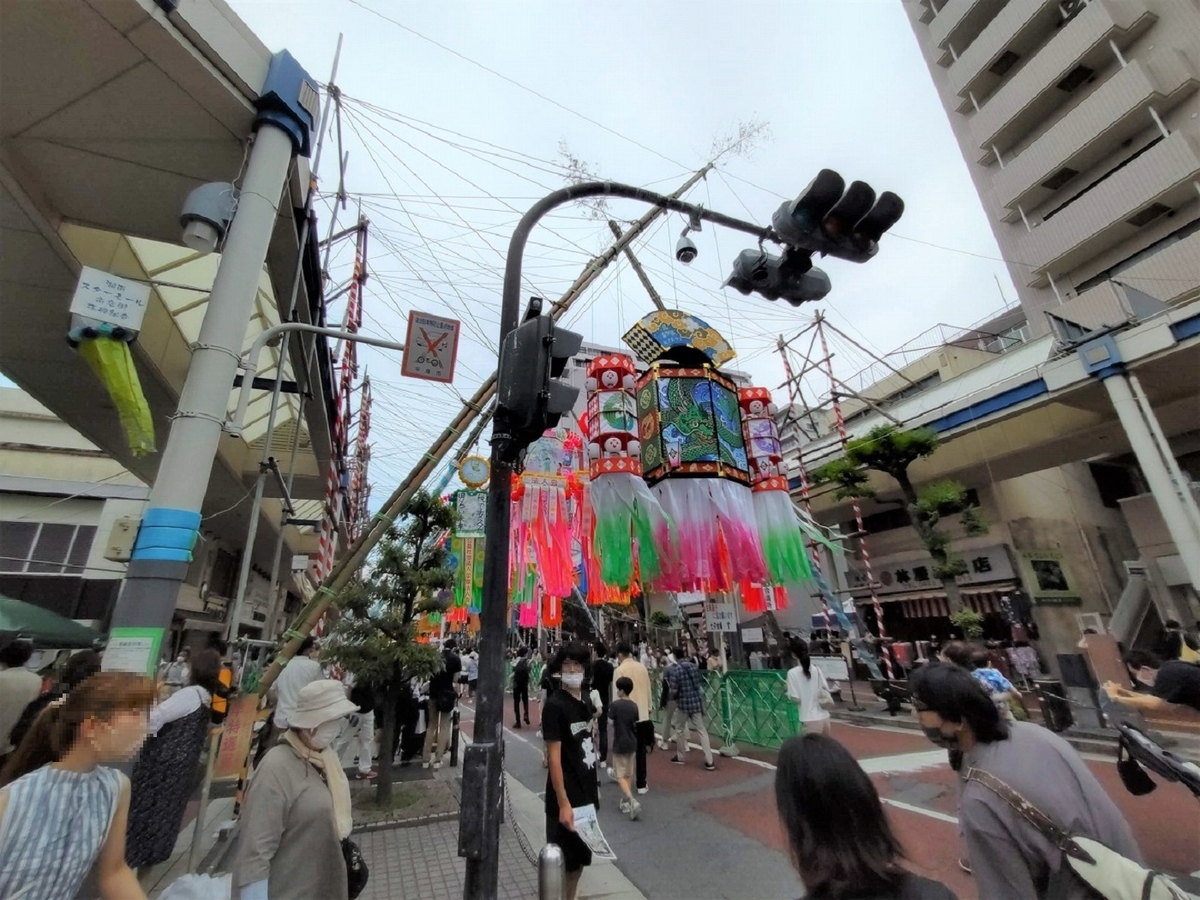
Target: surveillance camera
column 206, row 215
column 200, row 235
column 685, row 250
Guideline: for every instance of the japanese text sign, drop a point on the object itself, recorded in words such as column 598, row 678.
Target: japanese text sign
column 720, row 616
column 119, row 301
column 430, row 347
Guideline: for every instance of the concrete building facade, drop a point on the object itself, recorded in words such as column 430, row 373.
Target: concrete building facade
column 1079, row 121
column 64, row 503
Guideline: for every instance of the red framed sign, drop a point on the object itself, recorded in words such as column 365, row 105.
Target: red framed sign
column 430, row 347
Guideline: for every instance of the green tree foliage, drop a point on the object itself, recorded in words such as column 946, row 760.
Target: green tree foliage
column 891, row 451
column 375, row 636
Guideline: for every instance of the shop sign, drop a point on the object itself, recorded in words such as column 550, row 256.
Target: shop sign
column 893, row 576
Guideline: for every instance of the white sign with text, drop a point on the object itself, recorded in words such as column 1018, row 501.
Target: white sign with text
column 720, row 616
column 109, row 298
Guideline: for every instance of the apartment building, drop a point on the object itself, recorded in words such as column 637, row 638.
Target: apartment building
column 1079, row 121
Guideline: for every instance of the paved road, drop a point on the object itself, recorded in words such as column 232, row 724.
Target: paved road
column 716, row 834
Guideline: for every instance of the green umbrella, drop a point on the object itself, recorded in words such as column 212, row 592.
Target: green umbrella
column 42, row 627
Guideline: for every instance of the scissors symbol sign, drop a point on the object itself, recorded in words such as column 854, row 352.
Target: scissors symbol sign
column 431, row 343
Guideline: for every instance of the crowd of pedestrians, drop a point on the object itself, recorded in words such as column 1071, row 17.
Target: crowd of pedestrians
column 99, row 768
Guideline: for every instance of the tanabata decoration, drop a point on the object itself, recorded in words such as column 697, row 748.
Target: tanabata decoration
column 627, row 531
column 540, row 538
column 778, row 525
column 111, row 360
column 468, row 575
column 694, row 456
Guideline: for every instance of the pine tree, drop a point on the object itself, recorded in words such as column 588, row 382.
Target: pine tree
column 375, row 636
column 891, row 451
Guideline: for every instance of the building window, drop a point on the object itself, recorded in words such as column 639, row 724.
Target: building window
column 1113, row 483
column 45, row 548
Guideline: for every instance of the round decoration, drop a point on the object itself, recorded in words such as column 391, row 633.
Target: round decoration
column 475, row 471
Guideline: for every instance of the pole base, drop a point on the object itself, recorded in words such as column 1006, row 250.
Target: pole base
column 856, row 709
column 730, row 750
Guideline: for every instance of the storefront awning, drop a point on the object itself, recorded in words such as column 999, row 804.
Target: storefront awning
column 982, row 599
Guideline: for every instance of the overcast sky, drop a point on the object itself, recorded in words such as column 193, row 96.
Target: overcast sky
column 445, row 155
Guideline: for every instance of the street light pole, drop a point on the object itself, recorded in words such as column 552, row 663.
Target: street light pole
column 163, row 549
column 483, row 772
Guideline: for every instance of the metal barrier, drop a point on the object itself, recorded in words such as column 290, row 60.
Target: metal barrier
column 552, row 876
column 535, row 676
column 742, row 706
column 454, row 720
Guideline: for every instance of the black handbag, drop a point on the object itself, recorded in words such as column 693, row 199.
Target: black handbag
column 357, row 873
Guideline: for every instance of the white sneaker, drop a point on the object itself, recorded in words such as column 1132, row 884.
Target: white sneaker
column 635, row 810
column 612, row 773
column 644, row 790
column 437, row 765
column 624, row 805
column 425, row 765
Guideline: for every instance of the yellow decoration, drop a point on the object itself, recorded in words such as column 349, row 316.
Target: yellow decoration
column 111, row 360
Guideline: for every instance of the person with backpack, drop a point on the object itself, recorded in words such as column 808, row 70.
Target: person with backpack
column 1021, row 785
column 442, row 700
column 520, row 687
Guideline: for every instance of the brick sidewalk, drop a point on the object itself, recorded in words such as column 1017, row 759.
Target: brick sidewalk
column 423, row 862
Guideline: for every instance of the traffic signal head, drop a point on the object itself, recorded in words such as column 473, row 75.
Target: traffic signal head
column 829, row 218
column 790, row 277
column 532, row 359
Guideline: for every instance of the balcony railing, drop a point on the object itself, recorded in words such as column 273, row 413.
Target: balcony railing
column 1154, row 183
column 1015, row 33
column 1115, row 112
column 1058, row 68
column 959, row 22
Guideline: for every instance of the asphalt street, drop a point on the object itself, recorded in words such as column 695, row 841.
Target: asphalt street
column 715, row 835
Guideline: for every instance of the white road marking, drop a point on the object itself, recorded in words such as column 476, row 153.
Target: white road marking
column 932, row 813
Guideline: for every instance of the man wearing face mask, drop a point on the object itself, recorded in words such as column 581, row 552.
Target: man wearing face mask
column 300, row 791
column 1010, row 857
column 571, row 779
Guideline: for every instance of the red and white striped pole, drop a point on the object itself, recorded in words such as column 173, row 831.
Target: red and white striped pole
column 858, row 516
column 813, row 551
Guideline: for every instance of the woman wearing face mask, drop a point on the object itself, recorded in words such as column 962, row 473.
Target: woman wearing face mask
column 62, row 808
column 299, row 790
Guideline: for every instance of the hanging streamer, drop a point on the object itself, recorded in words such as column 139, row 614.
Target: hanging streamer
column 629, row 535
column 111, row 360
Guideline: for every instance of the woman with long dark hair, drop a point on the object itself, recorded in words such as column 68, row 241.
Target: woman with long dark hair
column 63, row 807
column 808, row 689
column 839, row 840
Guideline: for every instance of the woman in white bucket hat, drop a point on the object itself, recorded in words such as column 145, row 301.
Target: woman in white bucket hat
column 297, row 809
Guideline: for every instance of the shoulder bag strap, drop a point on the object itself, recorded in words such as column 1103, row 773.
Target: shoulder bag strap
column 1030, row 813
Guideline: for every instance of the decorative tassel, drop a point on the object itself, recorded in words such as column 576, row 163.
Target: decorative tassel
column 781, row 537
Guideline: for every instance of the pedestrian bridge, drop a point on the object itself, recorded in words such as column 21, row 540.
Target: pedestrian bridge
column 1036, row 406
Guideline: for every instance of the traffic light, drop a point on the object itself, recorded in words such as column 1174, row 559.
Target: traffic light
column 790, row 277
column 529, row 388
column 829, row 218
